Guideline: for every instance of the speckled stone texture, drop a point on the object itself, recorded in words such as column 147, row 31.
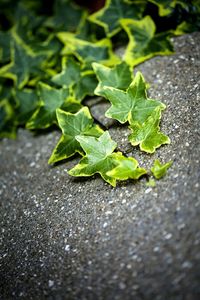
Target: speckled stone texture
column 66, row 238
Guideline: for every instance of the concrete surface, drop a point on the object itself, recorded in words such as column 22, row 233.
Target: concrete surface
column 66, row 238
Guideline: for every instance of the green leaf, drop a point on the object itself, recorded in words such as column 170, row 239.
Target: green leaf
column 67, row 16
column 148, row 134
column 85, row 86
column 5, row 41
column 144, row 43
column 24, row 63
column 151, row 183
column 5, row 90
column 26, row 104
column 73, row 125
column 127, row 168
column 50, row 48
column 87, row 31
column 7, row 125
column 190, row 21
column 30, row 32
column 114, row 10
column 70, row 73
column 133, row 104
column 50, row 99
column 184, row 27
column 71, row 106
column 6, row 112
column 99, row 157
column 87, row 52
column 159, row 170
column 26, row 22
column 166, row 7
column 82, row 83
column 119, row 77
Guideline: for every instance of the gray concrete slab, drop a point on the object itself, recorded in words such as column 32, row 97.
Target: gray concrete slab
column 66, row 238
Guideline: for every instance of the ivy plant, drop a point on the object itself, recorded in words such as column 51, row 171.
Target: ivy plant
column 53, row 59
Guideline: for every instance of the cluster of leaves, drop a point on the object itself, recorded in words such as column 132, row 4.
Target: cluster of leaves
column 52, row 59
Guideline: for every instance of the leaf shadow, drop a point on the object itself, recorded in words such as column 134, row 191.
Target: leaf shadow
column 45, row 131
column 85, row 179
column 66, row 160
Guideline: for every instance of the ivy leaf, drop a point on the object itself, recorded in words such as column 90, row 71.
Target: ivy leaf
column 85, row 86
column 5, row 40
column 133, row 104
column 166, row 7
column 82, row 83
column 49, row 48
column 50, row 99
column 114, row 10
column 144, row 43
column 86, row 31
column 73, row 125
column 7, row 125
column 26, row 104
column 185, row 27
column 190, row 18
column 151, row 183
column 159, row 170
column 24, row 63
column 5, row 90
column 29, row 32
column 99, row 157
column 127, row 168
column 119, row 77
column 26, row 22
column 70, row 73
column 148, row 134
column 71, row 105
column 66, row 17
column 87, row 52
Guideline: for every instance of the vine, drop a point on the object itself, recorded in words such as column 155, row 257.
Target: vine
column 52, row 61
